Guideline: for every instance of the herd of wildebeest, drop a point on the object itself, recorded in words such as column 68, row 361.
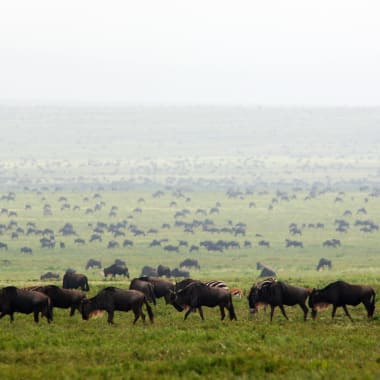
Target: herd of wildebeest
column 188, row 295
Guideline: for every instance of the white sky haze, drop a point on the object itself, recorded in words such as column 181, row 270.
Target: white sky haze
column 196, row 52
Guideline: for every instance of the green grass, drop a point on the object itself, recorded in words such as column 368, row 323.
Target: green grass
column 251, row 347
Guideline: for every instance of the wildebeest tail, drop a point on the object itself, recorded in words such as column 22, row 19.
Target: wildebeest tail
column 48, row 310
column 373, row 301
column 149, row 310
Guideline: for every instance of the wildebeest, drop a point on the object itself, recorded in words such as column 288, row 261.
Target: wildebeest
column 189, row 263
column 144, row 286
column 148, row 271
column 115, row 269
column 62, row 298
column 163, row 270
column 180, row 273
column 75, row 280
column 113, row 299
column 161, row 287
column 23, row 301
column 26, row 250
column 265, row 271
column 324, row 263
column 196, row 294
column 276, row 293
column 340, row 294
column 50, row 276
column 92, row 263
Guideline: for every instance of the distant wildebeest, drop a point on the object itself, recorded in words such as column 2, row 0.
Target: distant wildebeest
column 50, row 276
column 171, row 248
column 265, row 271
column 79, row 241
column 92, row 263
column 62, row 244
column 113, row 244
column 148, row 271
column 276, row 293
column 112, row 299
column 293, row 243
column 331, row 243
column 3, row 246
column 161, row 287
column 340, row 294
column 324, row 263
column 196, row 294
column 62, row 298
column 189, row 263
column 75, row 280
column 95, row 237
column 163, row 270
column 115, row 269
column 180, row 273
column 127, row 243
column 23, row 301
column 26, row 250
column 145, row 287
column 264, row 243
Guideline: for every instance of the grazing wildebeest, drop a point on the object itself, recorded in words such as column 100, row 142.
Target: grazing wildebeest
column 26, row 250
column 113, row 244
column 148, row 271
column 161, row 287
column 163, row 270
column 190, row 263
column 324, row 263
column 114, row 299
column 180, row 273
column 340, row 294
column 115, row 269
column 265, row 271
column 50, row 276
column 144, row 286
column 62, row 298
column 75, row 280
column 276, row 293
column 120, row 262
column 92, row 263
column 196, row 294
column 23, row 301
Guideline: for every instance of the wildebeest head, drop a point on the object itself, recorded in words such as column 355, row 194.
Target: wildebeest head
column 316, row 302
column 88, row 309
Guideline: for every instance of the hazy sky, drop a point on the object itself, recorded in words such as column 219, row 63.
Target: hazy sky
column 293, row 52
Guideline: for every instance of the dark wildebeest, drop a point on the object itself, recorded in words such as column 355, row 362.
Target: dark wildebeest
column 190, row 263
column 50, row 276
column 276, row 293
column 62, row 298
column 163, row 270
column 92, row 263
column 148, row 271
column 161, row 287
column 265, row 271
column 144, row 286
column 340, row 294
column 180, row 273
column 115, row 269
column 24, row 301
column 324, row 263
column 196, row 294
column 75, row 280
column 111, row 299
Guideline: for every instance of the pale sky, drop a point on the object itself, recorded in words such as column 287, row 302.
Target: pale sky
column 293, row 52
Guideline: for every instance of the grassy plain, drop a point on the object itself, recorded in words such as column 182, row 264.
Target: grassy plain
column 70, row 348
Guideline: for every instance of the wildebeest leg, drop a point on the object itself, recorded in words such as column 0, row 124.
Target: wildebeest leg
column 222, row 313
column 283, row 311
column 138, row 312
column 333, row 311
column 271, row 312
column 305, row 311
column 201, row 312
column 72, row 310
column 36, row 312
column 189, row 310
column 110, row 316
column 347, row 313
